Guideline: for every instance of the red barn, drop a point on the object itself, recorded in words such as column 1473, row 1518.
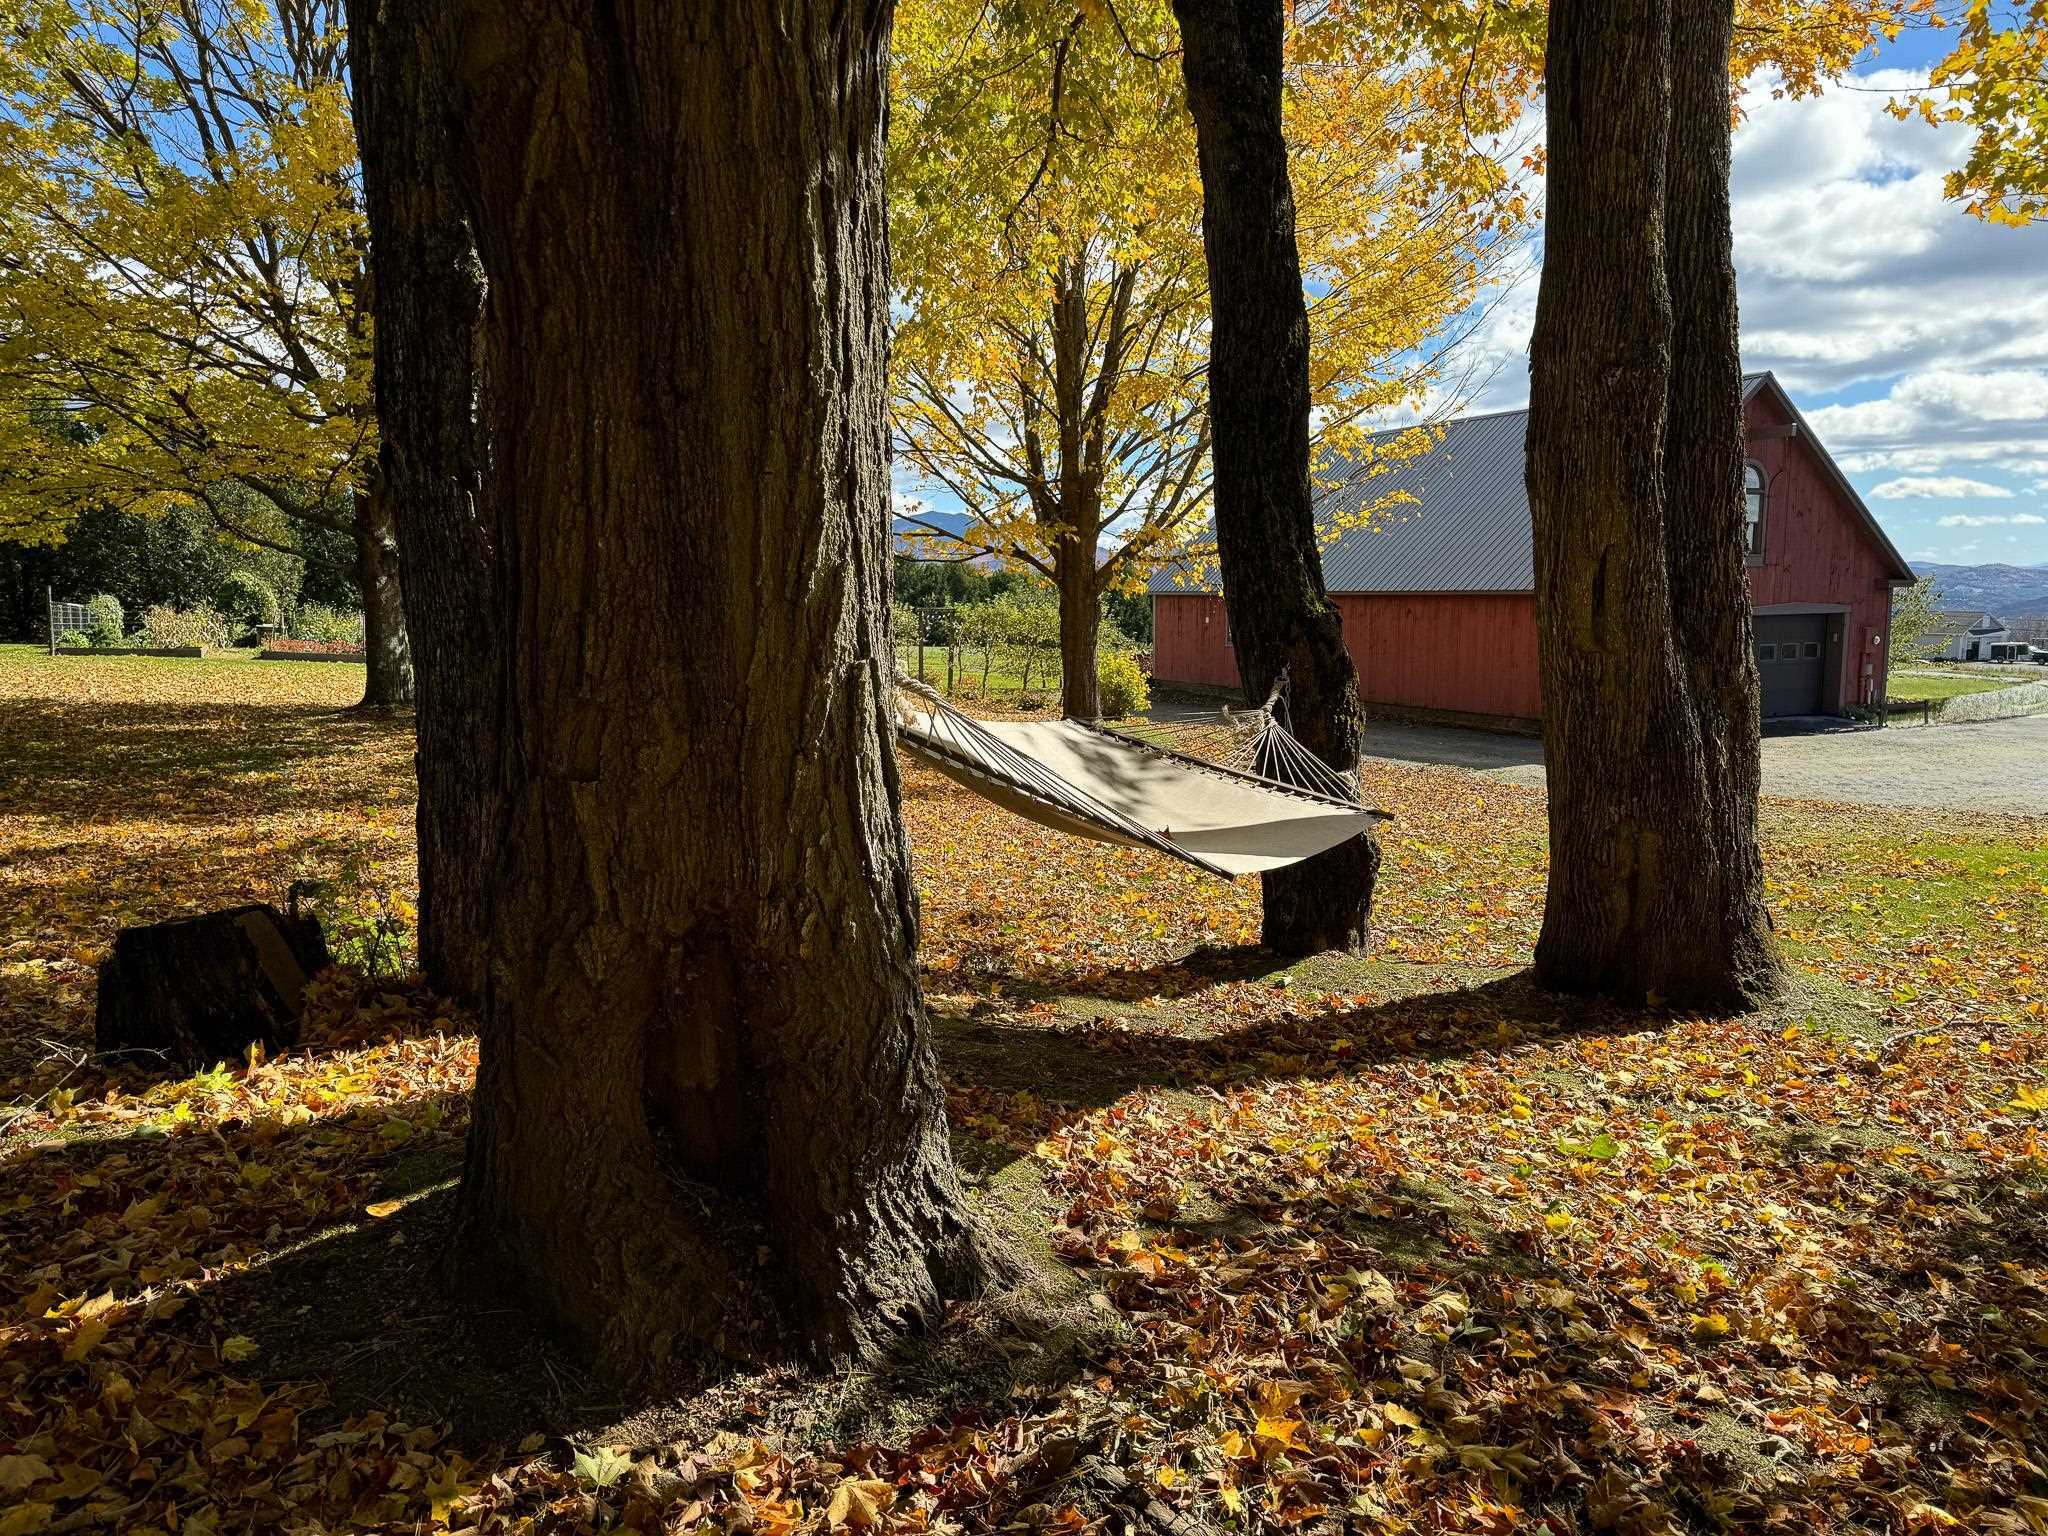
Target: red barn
column 1439, row 602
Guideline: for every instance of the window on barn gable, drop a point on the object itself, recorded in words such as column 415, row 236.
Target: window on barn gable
column 1753, row 511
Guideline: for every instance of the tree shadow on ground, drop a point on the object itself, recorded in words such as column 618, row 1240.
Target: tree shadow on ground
column 1579, row 1379
column 1086, row 1065
column 46, row 1005
column 368, row 1309
column 360, row 1303
column 168, row 761
column 358, row 1297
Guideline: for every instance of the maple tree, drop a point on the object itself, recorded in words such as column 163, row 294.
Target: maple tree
column 1995, row 79
column 1285, row 629
column 181, row 260
column 696, row 911
column 1052, row 337
column 1634, row 474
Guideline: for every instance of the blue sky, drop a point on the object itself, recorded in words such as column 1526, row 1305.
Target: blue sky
column 1913, row 337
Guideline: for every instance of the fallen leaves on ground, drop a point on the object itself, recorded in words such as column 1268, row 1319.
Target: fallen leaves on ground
column 1395, row 1243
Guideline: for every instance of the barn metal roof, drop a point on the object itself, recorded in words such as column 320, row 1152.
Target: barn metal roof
column 1467, row 528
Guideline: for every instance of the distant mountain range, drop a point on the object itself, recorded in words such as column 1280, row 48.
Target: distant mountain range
column 2006, row 590
column 909, row 532
column 921, row 540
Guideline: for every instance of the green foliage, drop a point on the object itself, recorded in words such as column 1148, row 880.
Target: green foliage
column 247, row 600
column 171, row 627
column 316, row 621
column 1028, row 615
column 938, row 583
column 1131, row 612
column 1913, row 610
column 1007, row 643
column 1121, row 684
column 106, row 623
column 177, row 558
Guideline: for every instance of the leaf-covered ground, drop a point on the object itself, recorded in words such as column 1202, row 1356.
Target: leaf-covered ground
column 1393, row 1244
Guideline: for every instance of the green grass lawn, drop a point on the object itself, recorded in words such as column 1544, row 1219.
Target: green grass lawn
column 1004, row 671
column 1934, row 685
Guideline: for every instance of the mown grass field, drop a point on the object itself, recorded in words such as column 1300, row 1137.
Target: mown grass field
column 1937, row 685
column 979, row 672
column 1394, row 1243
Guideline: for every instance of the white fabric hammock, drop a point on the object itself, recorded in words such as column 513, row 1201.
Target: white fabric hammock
column 1090, row 781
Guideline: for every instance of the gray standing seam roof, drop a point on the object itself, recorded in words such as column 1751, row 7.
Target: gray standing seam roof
column 1467, row 529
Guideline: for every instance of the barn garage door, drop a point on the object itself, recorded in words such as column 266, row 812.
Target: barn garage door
column 1791, row 657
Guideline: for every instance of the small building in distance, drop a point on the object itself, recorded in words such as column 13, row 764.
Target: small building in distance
column 1959, row 635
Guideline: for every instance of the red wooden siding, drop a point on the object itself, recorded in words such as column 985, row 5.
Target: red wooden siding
column 1816, row 551
column 1475, row 653
column 1188, row 644
column 1472, row 654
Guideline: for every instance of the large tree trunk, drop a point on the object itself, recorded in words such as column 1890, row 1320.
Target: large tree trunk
column 429, row 294
column 1703, row 460
column 1080, row 626
column 387, row 653
column 1649, row 711
column 1282, row 621
column 700, row 1023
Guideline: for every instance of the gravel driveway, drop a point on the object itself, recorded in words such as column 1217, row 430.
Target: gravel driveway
column 2001, row 765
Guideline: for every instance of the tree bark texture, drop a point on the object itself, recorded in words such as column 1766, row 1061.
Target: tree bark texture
column 1281, row 616
column 428, row 289
column 387, row 650
column 1080, row 626
column 700, row 1021
column 1635, row 474
column 1703, row 460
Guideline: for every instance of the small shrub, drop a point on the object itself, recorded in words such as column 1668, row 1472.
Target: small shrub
column 1120, row 685
column 247, row 600
column 168, row 627
column 105, row 623
column 316, row 621
column 74, row 639
column 367, row 932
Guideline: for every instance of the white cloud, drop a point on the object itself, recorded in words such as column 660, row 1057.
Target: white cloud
column 1937, row 488
column 2029, row 520
column 1859, row 278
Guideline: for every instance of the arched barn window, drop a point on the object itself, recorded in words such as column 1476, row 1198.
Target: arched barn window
column 1753, row 511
